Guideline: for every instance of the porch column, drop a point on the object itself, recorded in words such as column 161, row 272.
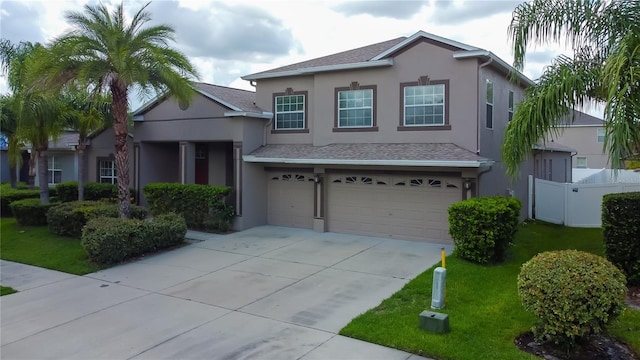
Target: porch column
column 187, row 162
column 237, row 176
column 136, row 170
column 319, row 198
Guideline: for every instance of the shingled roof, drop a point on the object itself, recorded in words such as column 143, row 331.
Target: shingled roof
column 581, row 119
column 237, row 100
column 428, row 154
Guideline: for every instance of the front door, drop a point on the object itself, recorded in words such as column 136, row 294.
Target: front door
column 202, row 164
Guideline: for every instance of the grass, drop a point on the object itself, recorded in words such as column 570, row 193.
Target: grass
column 482, row 302
column 35, row 245
column 5, row 290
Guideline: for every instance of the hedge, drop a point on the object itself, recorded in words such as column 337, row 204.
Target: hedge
column 194, row 202
column 574, row 294
column 68, row 191
column 482, row 228
column 621, row 225
column 30, row 212
column 112, row 240
column 9, row 195
column 68, row 219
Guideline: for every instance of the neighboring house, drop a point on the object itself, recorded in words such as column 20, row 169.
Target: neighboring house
column 100, row 157
column 378, row 140
column 585, row 134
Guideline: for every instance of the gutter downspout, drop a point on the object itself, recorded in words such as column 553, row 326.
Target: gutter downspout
column 484, row 64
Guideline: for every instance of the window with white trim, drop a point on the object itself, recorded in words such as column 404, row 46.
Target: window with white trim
column 55, row 172
column 107, row 172
column 601, row 135
column 489, row 117
column 510, row 108
column 355, row 108
column 424, row 105
column 581, row 162
column 289, row 112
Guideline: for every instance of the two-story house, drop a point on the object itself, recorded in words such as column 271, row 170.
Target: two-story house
column 584, row 133
column 378, row 140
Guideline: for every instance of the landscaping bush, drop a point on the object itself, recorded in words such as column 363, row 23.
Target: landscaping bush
column 30, row 212
column 573, row 293
column 9, row 195
column 193, row 202
column 220, row 217
column 67, row 219
column 68, row 191
column 483, row 228
column 621, row 225
column 111, row 240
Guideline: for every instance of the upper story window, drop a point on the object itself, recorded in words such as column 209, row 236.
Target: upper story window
column 55, row 172
column 355, row 108
column 289, row 112
column 489, row 118
column 424, row 105
column 510, row 109
column 601, row 134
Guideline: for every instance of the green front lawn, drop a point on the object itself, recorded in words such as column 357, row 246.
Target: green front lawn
column 35, row 245
column 482, row 302
column 5, row 290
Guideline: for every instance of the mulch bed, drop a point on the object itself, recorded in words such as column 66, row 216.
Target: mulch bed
column 599, row 347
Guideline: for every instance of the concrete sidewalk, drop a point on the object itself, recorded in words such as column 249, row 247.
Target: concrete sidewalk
column 265, row 293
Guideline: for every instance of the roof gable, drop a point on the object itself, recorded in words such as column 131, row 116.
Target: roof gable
column 236, row 100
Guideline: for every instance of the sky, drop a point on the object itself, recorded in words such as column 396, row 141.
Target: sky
column 228, row 39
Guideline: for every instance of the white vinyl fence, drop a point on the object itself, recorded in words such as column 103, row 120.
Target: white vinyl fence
column 576, row 205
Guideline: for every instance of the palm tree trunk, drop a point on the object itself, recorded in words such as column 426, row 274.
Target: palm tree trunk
column 81, row 148
column 43, row 174
column 13, row 177
column 32, row 169
column 120, row 126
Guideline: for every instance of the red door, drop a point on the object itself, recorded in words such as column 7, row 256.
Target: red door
column 202, row 164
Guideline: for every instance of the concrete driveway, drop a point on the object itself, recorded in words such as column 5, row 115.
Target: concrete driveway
column 266, row 293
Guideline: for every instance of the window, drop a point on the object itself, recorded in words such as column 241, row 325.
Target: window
column 581, row 162
column 424, row 105
column 601, row 135
column 107, row 172
column 55, row 173
column 510, row 110
column 290, row 112
column 355, row 108
column 489, row 119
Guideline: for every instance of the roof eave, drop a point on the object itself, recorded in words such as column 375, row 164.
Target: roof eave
column 263, row 115
column 318, row 69
column 148, row 105
column 495, row 59
column 417, row 163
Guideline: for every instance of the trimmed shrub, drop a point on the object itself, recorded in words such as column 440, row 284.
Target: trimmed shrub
column 220, row 218
column 112, row 240
column 68, row 191
column 30, row 212
column 9, row 195
column 67, row 219
column 621, row 225
column 194, row 202
column 573, row 293
column 482, row 228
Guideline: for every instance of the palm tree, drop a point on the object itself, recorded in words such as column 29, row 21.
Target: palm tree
column 37, row 113
column 85, row 114
column 605, row 68
column 8, row 128
column 110, row 54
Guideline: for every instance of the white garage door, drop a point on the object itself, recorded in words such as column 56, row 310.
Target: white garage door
column 290, row 199
column 404, row 207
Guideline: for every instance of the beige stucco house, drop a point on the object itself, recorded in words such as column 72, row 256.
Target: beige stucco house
column 585, row 134
column 378, row 140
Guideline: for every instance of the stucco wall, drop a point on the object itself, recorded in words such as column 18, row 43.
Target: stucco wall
column 585, row 140
column 422, row 59
column 103, row 146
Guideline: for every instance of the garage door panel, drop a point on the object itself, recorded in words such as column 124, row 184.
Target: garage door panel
column 395, row 206
column 290, row 200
